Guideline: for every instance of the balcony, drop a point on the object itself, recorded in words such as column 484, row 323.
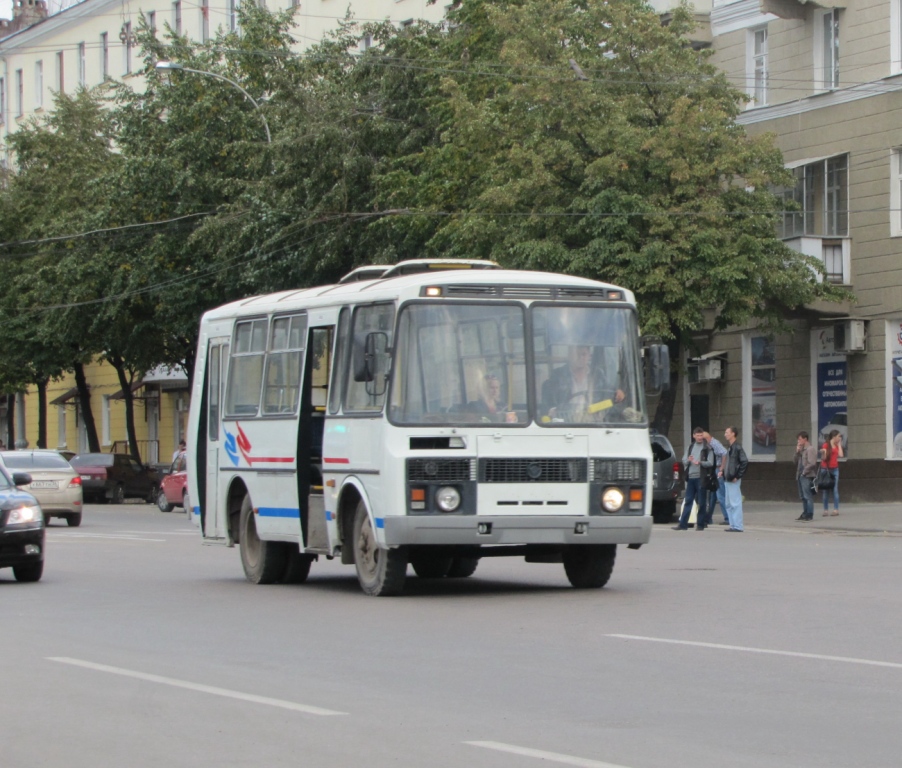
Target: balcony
column 835, row 253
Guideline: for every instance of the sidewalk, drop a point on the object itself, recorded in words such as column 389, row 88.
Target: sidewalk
column 858, row 518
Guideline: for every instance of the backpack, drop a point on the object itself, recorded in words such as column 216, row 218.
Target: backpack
column 710, row 481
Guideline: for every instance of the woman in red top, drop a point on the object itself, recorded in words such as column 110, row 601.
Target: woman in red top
column 831, row 453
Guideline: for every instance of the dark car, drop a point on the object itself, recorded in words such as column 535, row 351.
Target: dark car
column 666, row 479
column 21, row 528
column 114, row 477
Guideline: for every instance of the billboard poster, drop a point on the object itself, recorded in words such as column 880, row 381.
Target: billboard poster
column 894, row 346
column 764, row 396
column 830, row 388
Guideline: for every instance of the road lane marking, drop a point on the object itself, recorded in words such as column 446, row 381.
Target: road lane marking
column 769, row 651
column 104, row 536
column 162, row 533
column 254, row 699
column 554, row 757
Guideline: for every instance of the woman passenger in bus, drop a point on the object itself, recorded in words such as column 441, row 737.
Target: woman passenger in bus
column 489, row 401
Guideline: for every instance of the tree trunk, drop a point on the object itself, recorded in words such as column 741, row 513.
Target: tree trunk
column 84, row 399
column 125, row 382
column 42, row 412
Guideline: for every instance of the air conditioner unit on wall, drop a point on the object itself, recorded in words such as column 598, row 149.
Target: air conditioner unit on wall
column 850, row 336
column 707, row 368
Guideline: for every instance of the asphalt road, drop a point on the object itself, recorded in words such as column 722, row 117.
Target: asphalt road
column 141, row 647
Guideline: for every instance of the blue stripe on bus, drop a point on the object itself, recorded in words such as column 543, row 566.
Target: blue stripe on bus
column 328, row 515
column 278, row 512
column 380, row 522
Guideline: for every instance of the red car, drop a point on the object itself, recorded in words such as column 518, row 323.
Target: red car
column 174, row 486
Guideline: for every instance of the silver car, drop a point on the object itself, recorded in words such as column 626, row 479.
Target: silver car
column 54, row 483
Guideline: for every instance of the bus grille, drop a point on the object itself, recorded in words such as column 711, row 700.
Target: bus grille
column 438, row 470
column 619, row 471
column 533, row 470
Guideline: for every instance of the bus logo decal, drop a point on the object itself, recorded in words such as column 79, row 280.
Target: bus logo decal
column 241, row 444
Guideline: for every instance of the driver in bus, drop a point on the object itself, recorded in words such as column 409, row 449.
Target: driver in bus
column 578, row 388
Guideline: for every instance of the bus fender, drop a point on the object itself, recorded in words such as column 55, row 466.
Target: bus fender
column 352, row 491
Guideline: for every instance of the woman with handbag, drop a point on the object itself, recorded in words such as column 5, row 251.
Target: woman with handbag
column 831, row 453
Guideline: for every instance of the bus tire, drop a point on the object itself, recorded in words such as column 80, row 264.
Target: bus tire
column 428, row 566
column 462, row 567
column 297, row 567
column 263, row 561
column 381, row 572
column 589, row 566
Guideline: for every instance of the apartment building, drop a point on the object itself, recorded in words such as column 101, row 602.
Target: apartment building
column 826, row 80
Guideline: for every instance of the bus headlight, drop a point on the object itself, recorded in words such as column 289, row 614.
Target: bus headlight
column 447, row 498
column 612, row 499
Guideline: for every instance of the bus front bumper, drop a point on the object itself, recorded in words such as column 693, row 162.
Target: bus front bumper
column 492, row 530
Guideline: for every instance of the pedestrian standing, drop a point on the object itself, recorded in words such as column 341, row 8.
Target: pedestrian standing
column 696, row 461
column 183, row 446
column 736, row 464
column 717, row 497
column 806, row 471
column 831, row 453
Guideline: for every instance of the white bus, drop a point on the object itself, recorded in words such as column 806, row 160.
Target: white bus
column 428, row 415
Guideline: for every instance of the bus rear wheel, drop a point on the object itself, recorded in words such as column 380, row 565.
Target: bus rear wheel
column 264, row 562
column 381, row 572
column 462, row 567
column 431, row 566
column 589, row 566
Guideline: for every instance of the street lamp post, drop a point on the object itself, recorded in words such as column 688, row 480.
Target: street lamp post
column 169, row 66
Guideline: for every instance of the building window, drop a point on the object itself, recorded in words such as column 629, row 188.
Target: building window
column 2, row 100
column 366, row 42
column 757, row 66
column 762, row 392
column 105, row 437
column 60, row 72
column 233, row 15
column 895, row 34
column 82, row 66
column 152, row 21
column 821, row 193
column 126, row 37
column 104, row 56
column 895, row 193
column 826, row 50
column 177, row 17
column 38, row 84
column 61, row 426
column 20, row 93
column 204, row 20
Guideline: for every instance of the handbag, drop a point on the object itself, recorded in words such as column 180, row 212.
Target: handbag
column 712, row 484
column 824, row 480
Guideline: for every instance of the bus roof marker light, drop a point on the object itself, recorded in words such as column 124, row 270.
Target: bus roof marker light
column 433, row 291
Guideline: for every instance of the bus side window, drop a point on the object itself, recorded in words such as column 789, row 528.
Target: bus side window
column 377, row 318
column 282, row 380
column 340, row 363
column 246, row 368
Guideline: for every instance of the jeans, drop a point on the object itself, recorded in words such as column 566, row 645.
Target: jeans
column 734, row 503
column 834, row 491
column 694, row 492
column 807, row 496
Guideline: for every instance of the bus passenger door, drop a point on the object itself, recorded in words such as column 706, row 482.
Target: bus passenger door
column 311, row 426
column 213, row 518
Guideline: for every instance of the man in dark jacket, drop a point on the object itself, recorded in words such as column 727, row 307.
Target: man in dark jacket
column 736, row 464
column 806, row 469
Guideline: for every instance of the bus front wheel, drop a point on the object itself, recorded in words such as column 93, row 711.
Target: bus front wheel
column 381, row 572
column 264, row 562
column 589, row 566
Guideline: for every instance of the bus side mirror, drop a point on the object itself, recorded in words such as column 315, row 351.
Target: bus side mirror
column 370, row 351
column 657, row 368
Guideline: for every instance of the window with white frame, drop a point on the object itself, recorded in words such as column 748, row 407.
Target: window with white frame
column 126, row 38
column 104, row 56
column 756, row 42
column 61, row 426
column 60, row 72
column 105, row 421
column 204, row 20
column 20, row 93
column 38, row 84
column 826, row 50
column 895, row 36
column 177, row 17
column 82, row 65
column 895, row 193
column 152, row 21
column 2, row 100
column 233, row 15
column 821, row 200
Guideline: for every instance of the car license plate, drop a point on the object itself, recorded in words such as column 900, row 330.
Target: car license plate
column 43, row 484
column 86, row 477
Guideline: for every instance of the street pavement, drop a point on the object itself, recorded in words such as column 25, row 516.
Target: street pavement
column 852, row 518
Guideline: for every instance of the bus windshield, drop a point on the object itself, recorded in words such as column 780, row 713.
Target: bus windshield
column 466, row 364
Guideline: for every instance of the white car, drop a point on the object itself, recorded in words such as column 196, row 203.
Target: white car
column 837, row 422
column 54, row 483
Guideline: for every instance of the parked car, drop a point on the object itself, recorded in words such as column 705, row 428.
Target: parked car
column 21, row 528
column 54, row 482
column 67, row 455
column 114, row 477
column 666, row 479
column 174, row 486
